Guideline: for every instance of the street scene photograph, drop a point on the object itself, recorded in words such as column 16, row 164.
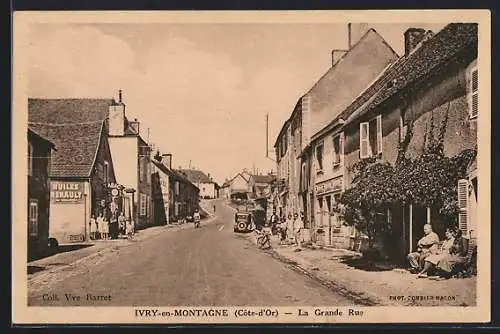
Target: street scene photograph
column 239, row 164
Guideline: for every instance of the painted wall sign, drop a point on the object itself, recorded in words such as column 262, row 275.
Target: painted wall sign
column 66, row 192
column 329, row 186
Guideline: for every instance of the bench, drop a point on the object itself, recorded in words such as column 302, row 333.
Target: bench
column 469, row 266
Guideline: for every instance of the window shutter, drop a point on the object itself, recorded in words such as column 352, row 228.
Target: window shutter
column 363, row 140
column 463, row 204
column 379, row 134
column 473, row 93
column 341, row 147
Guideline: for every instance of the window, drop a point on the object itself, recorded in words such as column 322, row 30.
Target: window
column 148, row 171
column 319, row 158
column 473, row 92
column 403, row 124
column 141, row 169
column 370, row 137
column 106, row 172
column 33, row 218
column 177, row 186
column 142, row 204
column 30, row 159
column 338, row 149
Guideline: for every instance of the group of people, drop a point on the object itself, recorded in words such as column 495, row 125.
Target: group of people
column 102, row 228
column 438, row 261
column 288, row 228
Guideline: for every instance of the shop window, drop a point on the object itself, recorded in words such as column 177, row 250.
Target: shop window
column 33, row 217
column 338, row 150
column 319, row 158
column 370, row 137
column 142, row 204
column 30, row 159
column 473, row 92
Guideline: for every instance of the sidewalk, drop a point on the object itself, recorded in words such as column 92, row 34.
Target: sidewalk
column 383, row 286
column 81, row 252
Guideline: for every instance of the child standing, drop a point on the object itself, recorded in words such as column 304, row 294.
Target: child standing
column 99, row 224
column 92, row 228
column 105, row 228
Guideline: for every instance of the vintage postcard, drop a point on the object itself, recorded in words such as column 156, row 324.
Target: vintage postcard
column 251, row 167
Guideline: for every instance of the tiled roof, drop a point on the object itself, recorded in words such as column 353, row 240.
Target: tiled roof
column 196, row 176
column 263, row 178
column 452, row 39
column 76, row 144
column 68, row 110
column 75, row 126
column 173, row 173
column 72, row 111
column 33, row 135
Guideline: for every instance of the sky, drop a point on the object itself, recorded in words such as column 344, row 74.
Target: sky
column 200, row 91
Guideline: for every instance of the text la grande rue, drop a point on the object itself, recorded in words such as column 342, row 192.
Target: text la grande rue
column 331, row 313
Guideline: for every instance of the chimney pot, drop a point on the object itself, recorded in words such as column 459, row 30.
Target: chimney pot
column 120, row 96
column 412, row 37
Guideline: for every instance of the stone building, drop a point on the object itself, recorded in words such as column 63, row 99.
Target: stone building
column 39, row 162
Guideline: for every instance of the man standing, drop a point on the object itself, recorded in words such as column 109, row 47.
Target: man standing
column 426, row 246
column 298, row 225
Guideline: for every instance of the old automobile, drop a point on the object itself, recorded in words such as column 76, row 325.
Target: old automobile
column 243, row 218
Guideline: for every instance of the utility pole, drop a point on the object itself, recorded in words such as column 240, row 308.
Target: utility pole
column 267, row 138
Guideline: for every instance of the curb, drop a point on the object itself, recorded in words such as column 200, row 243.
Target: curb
column 360, row 298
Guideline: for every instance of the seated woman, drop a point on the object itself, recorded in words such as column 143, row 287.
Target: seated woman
column 432, row 260
column 457, row 255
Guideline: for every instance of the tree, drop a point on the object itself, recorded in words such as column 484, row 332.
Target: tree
column 373, row 190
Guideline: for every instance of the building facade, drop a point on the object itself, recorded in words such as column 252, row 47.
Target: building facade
column 81, row 178
column 208, row 188
column 434, row 82
column 175, row 195
column 351, row 71
column 261, row 185
column 356, row 68
column 132, row 156
column 39, row 163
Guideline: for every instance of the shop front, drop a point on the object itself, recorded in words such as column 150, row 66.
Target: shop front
column 70, row 207
column 329, row 230
column 74, row 202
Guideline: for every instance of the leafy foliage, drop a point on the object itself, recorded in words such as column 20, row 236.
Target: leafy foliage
column 429, row 179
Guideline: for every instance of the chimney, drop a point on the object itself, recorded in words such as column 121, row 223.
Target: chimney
column 413, row 36
column 135, row 125
column 336, row 55
column 166, row 159
column 355, row 31
column 208, row 175
column 116, row 117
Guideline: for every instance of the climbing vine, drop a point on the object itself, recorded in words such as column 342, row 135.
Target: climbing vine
column 428, row 179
